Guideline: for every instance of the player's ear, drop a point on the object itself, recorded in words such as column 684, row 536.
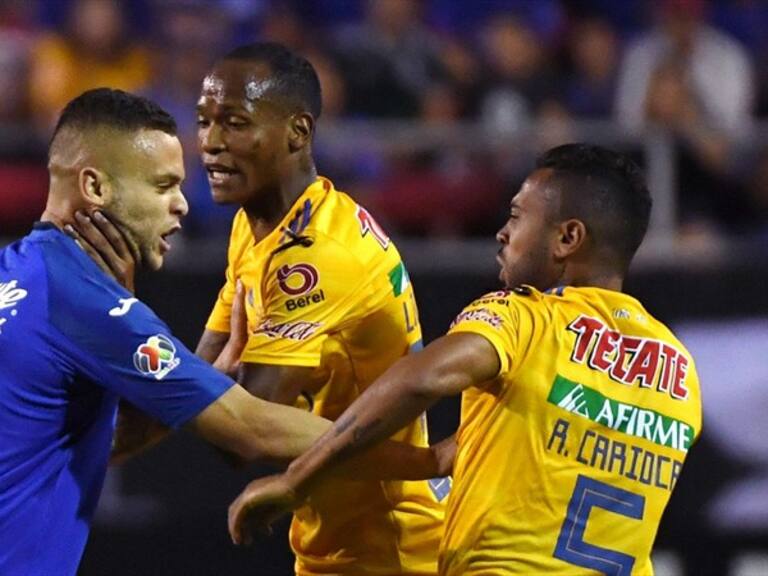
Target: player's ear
column 95, row 187
column 301, row 127
column 572, row 234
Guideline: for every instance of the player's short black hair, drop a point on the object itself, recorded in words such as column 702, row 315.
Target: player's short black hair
column 606, row 190
column 295, row 79
column 109, row 108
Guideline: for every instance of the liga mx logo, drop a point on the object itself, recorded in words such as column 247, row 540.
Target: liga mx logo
column 156, row 357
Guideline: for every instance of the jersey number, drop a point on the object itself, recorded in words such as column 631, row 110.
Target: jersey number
column 588, row 494
column 368, row 224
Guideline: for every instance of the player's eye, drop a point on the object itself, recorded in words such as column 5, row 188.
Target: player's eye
column 202, row 121
column 236, row 121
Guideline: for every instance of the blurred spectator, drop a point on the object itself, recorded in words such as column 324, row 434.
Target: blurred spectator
column 518, row 79
column 389, row 59
column 747, row 20
column 96, row 50
column 443, row 191
column 715, row 68
column 590, row 87
column 282, row 24
column 23, row 177
column 754, row 223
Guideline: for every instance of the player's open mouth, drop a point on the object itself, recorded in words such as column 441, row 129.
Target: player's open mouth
column 165, row 246
column 219, row 174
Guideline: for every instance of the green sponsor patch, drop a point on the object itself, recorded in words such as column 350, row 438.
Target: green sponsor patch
column 627, row 418
column 398, row 277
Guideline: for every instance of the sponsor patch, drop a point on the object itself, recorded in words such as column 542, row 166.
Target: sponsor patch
column 298, row 279
column 369, row 226
column 10, row 295
column 156, row 357
column 299, row 330
column 303, row 301
column 124, row 308
column 478, row 315
column 399, row 279
column 627, row 418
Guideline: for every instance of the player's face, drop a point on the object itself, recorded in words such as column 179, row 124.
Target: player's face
column 529, row 236
column 147, row 202
column 243, row 136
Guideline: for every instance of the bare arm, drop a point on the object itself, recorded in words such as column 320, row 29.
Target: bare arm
column 446, row 367
column 211, row 345
column 281, row 384
column 135, row 431
column 255, row 429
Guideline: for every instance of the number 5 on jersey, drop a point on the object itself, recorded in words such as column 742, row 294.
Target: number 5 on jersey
column 572, row 548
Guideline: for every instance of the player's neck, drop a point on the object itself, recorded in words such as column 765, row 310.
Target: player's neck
column 267, row 211
column 605, row 279
column 60, row 209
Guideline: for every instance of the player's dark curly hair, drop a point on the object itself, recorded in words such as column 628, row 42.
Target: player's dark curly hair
column 604, row 189
column 295, row 80
column 106, row 107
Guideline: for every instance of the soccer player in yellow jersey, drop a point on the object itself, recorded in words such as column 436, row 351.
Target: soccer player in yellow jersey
column 328, row 301
column 578, row 407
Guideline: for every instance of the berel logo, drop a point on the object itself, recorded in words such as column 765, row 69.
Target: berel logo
column 156, row 357
column 124, row 308
column 304, row 301
column 297, row 279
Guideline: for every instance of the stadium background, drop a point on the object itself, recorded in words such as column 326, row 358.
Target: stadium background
column 434, row 111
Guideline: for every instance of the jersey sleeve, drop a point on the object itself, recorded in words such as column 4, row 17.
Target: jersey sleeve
column 119, row 343
column 308, row 294
column 496, row 316
column 219, row 319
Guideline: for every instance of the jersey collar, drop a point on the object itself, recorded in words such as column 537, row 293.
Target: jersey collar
column 294, row 224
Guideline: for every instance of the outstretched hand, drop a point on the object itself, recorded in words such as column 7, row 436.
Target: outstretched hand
column 261, row 503
column 106, row 245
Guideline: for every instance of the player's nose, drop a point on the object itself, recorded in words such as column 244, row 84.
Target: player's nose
column 179, row 205
column 211, row 140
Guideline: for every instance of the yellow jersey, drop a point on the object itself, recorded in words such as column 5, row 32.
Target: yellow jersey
column 567, row 459
column 327, row 289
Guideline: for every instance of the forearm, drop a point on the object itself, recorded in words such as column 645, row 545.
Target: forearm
column 383, row 409
column 134, row 433
column 389, row 460
column 254, row 429
column 211, row 345
column 286, row 433
column 446, row 367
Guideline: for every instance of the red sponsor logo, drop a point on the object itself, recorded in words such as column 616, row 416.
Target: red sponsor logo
column 297, row 279
column 369, row 225
column 291, row 330
column 478, row 315
column 630, row 360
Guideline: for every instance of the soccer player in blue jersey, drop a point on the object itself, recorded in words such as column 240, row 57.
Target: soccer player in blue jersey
column 73, row 341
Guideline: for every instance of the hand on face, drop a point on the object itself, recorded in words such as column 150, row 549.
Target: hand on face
column 106, row 245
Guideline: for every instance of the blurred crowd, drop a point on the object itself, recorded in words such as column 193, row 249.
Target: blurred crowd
column 509, row 77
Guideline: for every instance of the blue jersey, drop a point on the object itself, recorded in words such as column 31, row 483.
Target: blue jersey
column 72, row 341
